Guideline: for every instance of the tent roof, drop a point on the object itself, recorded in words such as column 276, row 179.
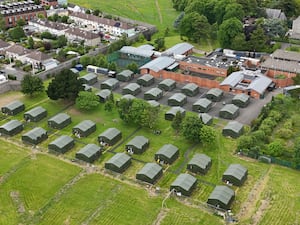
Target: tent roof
column 178, row 97
column 150, row 170
column 85, row 125
column 13, row 105
column 89, row 76
column 168, row 82
column 11, row 125
column 236, row 170
column 119, row 159
column 185, row 181
column 205, row 117
column 234, row 126
column 132, row 86
column 110, row 133
column 175, row 109
column 241, row 97
column 89, row 150
column 144, row 52
column 59, row 118
column 104, row 93
column 126, row 73
column 190, row 86
column 222, row 193
column 200, row 160
column 204, row 102
column 215, row 92
column 36, row 111
column 153, row 103
column 231, row 108
column 62, row 141
column 111, row 81
column 154, row 91
column 35, row 133
column 138, row 141
column 128, row 97
column 168, row 150
column 178, row 49
column 146, row 77
column 159, row 63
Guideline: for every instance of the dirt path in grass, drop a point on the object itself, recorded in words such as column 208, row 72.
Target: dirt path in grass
column 248, row 208
column 159, row 12
column 161, row 215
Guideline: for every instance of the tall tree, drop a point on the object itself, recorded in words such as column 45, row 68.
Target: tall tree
column 150, row 116
column 87, row 100
column 234, row 10
column 16, row 33
column 207, row 135
column 177, row 121
column 30, row 42
column 197, row 6
column 258, row 39
column 191, row 127
column 228, row 30
column 31, row 85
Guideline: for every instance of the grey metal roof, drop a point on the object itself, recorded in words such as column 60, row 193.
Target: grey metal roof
column 111, row 82
column 159, row 63
column 128, row 97
column 236, row 170
column 233, row 79
column 204, row 102
column 275, row 14
column 205, row 117
column 234, row 126
column 178, row 49
column 215, row 92
column 154, row 91
column 85, row 125
column 281, row 65
column 144, row 52
column 150, row 170
column 260, row 84
column 179, row 97
column 153, row 103
column 146, row 47
column 36, row 111
column 286, row 55
column 168, row 150
column 176, row 109
column 59, row 118
column 138, row 141
column 110, row 133
column 185, row 181
column 190, row 86
column 13, row 105
column 87, row 87
column 104, row 93
column 89, row 150
column 89, row 76
column 231, row 108
column 62, row 141
column 200, row 160
column 132, row 86
column 146, row 77
column 11, row 125
column 168, row 82
column 35, row 133
column 222, row 193
column 241, row 97
column 126, row 73
column 119, row 159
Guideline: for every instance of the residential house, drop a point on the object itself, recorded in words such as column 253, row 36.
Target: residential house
column 17, row 52
column 49, row 26
column 89, row 38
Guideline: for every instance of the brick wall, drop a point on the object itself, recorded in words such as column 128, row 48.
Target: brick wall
column 281, row 82
column 199, row 68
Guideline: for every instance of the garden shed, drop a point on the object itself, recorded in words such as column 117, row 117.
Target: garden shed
column 35, row 114
column 206, row 118
column 103, row 95
column 150, row 173
column 154, row 103
column 153, row 94
column 190, row 89
column 184, row 184
column 132, row 89
column 200, row 163
column 233, row 129
column 169, row 115
column 241, row 100
column 203, row 105
column 235, row 174
column 167, row 85
column 35, row 136
column 11, row 128
column 167, row 154
column 214, row 94
column 61, row 144
column 137, row 145
column 110, row 136
column 89, row 153
column 146, row 80
column 125, row 75
column 111, row 84
column 229, row 111
column 221, row 197
column 89, row 79
column 118, row 163
column 177, row 99
column 84, row 128
column 13, row 108
column 59, row 121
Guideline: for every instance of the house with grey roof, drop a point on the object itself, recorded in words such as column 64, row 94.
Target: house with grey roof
column 203, row 105
column 275, row 14
column 89, row 153
column 35, row 136
column 137, row 145
column 3, row 46
column 177, row 99
column 118, row 163
column 62, row 144
column 11, row 128
column 235, row 174
column 167, row 154
column 13, row 108
column 146, row 80
column 36, row 114
column 184, row 184
column 167, row 84
column 233, row 129
column 43, row 25
column 17, row 52
column 221, row 197
column 88, row 38
column 229, row 111
column 170, row 114
column 132, row 89
column 150, row 173
column 295, row 32
column 190, row 89
column 200, row 163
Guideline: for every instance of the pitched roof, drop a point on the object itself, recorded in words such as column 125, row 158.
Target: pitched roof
column 82, row 33
column 110, row 133
column 119, row 159
column 190, row 86
column 35, row 111
column 236, row 170
column 200, row 160
column 168, row 150
column 178, row 49
column 13, row 105
column 241, row 97
column 146, row 77
column 204, row 102
column 18, row 49
column 89, row 76
column 104, row 93
column 111, row 81
column 231, row 108
column 168, row 82
column 89, row 150
column 185, row 181
column 159, row 63
column 281, row 65
column 128, row 97
column 11, row 125
column 205, row 117
column 132, row 86
column 4, row 44
column 260, row 84
column 38, row 56
column 234, row 126
column 175, row 109
column 286, row 55
column 215, row 92
column 35, row 133
column 222, row 193
column 275, row 14
column 62, row 141
column 138, row 141
column 126, row 73
column 233, row 79
column 84, row 125
column 147, row 53
column 178, row 97
column 150, row 170
column 153, row 103
column 59, row 118
column 154, row 91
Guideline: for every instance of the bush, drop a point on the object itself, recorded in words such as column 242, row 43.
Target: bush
column 27, row 68
column 11, row 77
column 285, row 133
column 275, row 148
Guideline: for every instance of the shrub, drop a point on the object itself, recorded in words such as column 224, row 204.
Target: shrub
column 275, row 148
column 285, row 133
column 11, row 77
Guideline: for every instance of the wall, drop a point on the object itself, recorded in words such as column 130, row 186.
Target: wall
column 10, row 86
column 199, row 68
column 281, row 82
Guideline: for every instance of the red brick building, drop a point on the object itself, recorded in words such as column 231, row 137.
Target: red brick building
column 49, row 3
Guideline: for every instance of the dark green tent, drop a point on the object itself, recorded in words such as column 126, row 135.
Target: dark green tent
column 233, row 129
column 241, row 100
column 235, row 174
column 177, row 99
column 221, row 197
column 167, row 85
column 190, row 89
column 89, row 79
column 84, row 128
column 203, row 105
column 87, row 87
column 11, row 128
column 13, row 108
column 132, row 89
column 206, row 118
column 125, row 75
column 137, row 145
column 229, row 111
column 110, row 84
column 169, row 115
column 167, row 154
column 153, row 103
column 200, row 163
column 35, row 136
column 59, row 121
column 214, row 94
column 184, row 184
column 118, row 163
column 153, row 94
column 104, row 95
column 110, row 136
column 61, row 144
column 128, row 97
column 146, row 80
column 89, row 153
column 36, row 114
column 150, row 173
